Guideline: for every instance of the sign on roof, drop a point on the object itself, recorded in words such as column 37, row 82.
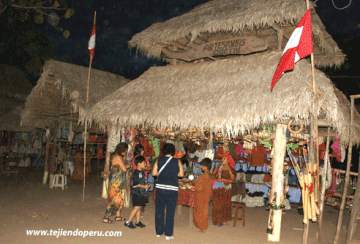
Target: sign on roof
column 238, row 45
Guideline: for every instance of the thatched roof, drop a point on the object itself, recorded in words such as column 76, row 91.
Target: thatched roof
column 11, row 121
column 61, row 93
column 14, row 88
column 220, row 18
column 233, row 95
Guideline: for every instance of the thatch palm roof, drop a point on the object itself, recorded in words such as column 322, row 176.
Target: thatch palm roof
column 239, row 18
column 61, row 93
column 233, row 95
column 11, row 121
column 14, row 88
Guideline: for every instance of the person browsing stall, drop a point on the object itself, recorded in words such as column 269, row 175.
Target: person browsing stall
column 202, row 196
column 116, row 184
column 224, row 173
column 139, row 194
column 167, row 169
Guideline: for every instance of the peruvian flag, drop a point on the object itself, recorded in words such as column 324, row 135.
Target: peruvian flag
column 91, row 45
column 299, row 46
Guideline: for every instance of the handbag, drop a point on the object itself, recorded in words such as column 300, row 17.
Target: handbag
column 105, row 189
column 216, row 184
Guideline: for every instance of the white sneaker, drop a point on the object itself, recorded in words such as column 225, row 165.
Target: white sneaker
column 158, row 235
column 169, row 238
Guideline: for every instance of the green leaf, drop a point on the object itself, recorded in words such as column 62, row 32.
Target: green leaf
column 69, row 12
column 66, row 33
column 39, row 19
column 56, row 4
column 23, row 16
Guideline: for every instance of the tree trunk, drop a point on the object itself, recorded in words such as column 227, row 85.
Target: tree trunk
column 277, row 184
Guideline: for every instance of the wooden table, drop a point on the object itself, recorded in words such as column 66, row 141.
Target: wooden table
column 186, row 197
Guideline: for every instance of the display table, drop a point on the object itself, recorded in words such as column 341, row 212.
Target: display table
column 186, row 198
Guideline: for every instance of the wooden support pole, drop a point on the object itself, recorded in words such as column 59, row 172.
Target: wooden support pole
column 354, row 213
column 348, row 166
column 46, row 165
column 323, row 182
column 107, row 164
column 87, row 100
column 277, row 188
column 355, row 209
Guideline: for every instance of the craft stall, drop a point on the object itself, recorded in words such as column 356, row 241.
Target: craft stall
column 55, row 105
column 210, row 85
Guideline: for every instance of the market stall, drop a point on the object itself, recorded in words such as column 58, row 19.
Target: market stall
column 224, row 97
column 57, row 101
column 218, row 83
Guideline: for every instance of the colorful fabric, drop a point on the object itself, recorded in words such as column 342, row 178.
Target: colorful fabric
column 186, row 197
column 202, row 199
column 116, row 190
column 221, row 206
column 231, row 160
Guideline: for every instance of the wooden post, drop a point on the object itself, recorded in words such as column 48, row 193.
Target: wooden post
column 343, row 199
column 277, row 183
column 46, row 164
column 323, row 182
column 107, row 160
column 354, row 213
column 87, row 100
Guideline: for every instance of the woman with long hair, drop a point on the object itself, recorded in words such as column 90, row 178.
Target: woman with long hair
column 224, row 173
column 116, row 184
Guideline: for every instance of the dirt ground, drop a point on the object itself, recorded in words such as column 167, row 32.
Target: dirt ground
column 27, row 204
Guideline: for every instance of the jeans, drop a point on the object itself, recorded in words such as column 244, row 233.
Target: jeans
column 168, row 199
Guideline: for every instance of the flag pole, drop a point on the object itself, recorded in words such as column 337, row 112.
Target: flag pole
column 85, row 132
column 312, row 56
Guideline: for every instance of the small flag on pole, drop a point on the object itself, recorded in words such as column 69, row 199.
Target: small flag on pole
column 91, row 45
column 299, row 46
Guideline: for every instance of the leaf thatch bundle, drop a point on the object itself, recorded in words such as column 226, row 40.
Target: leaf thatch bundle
column 14, row 88
column 11, row 121
column 61, row 93
column 241, row 18
column 232, row 95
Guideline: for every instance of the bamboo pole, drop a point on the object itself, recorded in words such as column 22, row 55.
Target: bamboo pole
column 85, row 130
column 354, row 213
column 277, row 188
column 312, row 59
column 46, row 165
column 342, row 206
column 323, row 182
column 107, row 165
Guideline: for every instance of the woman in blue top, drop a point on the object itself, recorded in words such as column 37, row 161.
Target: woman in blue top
column 167, row 169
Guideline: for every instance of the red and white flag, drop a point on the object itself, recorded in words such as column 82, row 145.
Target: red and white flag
column 91, row 45
column 299, row 46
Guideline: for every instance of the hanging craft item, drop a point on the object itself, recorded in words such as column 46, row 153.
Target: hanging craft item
column 130, row 139
column 258, row 156
column 293, row 128
column 336, row 149
column 148, row 149
column 154, row 142
column 100, row 154
column 114, row 138
column 92, row 135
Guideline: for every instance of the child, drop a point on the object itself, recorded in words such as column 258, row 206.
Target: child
column 202, row 196
column 140, row 194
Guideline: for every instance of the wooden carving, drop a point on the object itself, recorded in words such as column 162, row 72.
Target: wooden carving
column 238, row 45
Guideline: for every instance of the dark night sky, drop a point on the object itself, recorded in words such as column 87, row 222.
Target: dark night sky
column 117, row 21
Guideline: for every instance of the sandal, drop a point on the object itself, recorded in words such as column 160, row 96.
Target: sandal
column 108, row 221
column 119, row 218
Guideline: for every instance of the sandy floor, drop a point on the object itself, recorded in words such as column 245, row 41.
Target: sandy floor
column 26, row 204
